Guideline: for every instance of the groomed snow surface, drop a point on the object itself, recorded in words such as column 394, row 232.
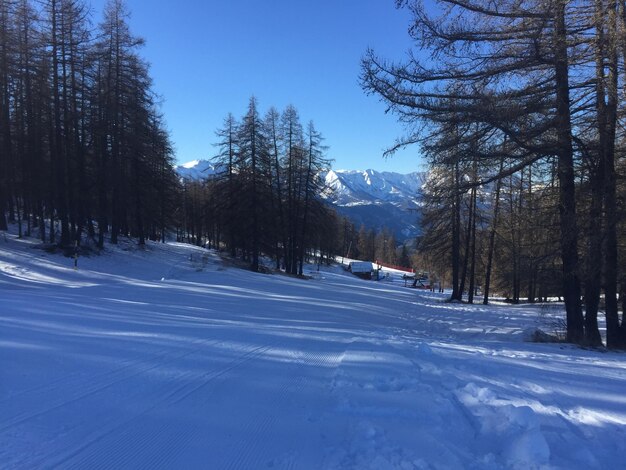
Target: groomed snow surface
column 167, row 358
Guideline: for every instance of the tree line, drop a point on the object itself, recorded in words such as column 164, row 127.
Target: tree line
column 265, row 199
column 506, row 236
column 85, row 154
column 84, row 149
column 377, row 246
column 518, row 109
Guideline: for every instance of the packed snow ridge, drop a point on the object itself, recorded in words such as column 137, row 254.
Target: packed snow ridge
column 166, row 357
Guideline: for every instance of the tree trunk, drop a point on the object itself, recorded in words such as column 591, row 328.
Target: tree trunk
column 59, row 155
column 565, row 172
column 593, row 272
column 616, row 335
column 468, row 237
column 492, row 237
column 472, row 279
column 6, row 159
column 457, row 294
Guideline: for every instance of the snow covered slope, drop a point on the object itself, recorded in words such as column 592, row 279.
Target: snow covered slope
column 165, row 358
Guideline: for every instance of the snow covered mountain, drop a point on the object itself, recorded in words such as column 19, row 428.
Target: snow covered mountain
column 375, row 199
column 197, row 169
column 353, row 188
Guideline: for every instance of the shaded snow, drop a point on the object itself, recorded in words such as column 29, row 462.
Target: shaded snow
column 164, row 358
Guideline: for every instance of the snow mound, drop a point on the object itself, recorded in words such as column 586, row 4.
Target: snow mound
column 517, row 428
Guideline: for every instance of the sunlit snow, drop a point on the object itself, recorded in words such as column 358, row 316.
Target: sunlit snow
column 164, row 358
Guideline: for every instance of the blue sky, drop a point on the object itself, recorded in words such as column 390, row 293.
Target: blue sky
column 209, row 56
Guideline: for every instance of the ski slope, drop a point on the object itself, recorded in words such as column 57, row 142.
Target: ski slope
column 167, row 358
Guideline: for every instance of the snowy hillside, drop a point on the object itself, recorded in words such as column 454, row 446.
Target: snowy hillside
column 167, row 358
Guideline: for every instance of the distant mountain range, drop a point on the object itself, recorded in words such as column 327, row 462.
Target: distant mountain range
column 197, row 169
column 375, row 199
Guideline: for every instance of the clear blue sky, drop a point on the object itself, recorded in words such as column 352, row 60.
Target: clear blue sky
column 209, row 56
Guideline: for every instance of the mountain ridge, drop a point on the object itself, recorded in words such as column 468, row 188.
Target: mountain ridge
column 375, row 199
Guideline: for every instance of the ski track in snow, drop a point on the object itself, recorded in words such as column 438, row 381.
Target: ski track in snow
column 161, row 358
column 129, row 435
column 83, row 387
